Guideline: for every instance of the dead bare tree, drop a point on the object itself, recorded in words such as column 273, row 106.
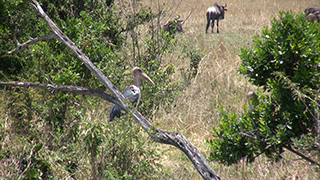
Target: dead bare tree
column 158, row 135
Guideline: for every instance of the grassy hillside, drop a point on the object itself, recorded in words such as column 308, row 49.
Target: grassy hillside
column 217, row 83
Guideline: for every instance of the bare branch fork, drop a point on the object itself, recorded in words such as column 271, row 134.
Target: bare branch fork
column 72, row 89
column 157, row 135
column 31, row 41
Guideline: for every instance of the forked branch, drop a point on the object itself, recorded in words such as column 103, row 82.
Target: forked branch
column 72, row 89
column 31, row 41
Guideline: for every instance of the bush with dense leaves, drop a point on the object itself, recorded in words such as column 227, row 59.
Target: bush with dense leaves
column 284, row 63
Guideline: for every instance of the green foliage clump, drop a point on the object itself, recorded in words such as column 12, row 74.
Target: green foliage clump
column 284, row 63
column 118, row 151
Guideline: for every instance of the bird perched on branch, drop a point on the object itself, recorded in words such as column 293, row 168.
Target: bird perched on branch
column 132, row 93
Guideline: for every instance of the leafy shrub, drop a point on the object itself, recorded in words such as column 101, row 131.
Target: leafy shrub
column 284, row 62
column 117, row 150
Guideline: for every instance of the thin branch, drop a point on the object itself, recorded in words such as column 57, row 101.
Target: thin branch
column 72, row 89
column 31, row 41
column 188, row 16
column 288, row 147
column 173, row 9
column 302, row 155
column 248, row 135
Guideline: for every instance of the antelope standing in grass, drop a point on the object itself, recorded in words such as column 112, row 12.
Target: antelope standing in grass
column 216, row 12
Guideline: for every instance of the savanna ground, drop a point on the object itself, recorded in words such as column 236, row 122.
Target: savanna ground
column 195, row 109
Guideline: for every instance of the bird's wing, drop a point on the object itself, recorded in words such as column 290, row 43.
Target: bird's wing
column 132, row 93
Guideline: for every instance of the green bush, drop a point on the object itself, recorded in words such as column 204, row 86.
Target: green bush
column 118, row 150
column 284, row 63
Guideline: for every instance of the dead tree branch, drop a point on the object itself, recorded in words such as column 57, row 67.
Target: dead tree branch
column 31, row 41
column 302, row 155
column 188, row 16
column 157, row 135
column 72, row 89
column 288, row 147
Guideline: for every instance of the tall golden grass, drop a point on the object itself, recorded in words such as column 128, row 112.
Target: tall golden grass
column 217, row 83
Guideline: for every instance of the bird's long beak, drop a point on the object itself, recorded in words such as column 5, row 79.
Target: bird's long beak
column 145, row 76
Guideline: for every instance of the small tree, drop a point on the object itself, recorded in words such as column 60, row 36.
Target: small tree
column 284, row 63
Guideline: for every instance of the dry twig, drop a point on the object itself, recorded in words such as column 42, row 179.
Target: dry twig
column 31, row 41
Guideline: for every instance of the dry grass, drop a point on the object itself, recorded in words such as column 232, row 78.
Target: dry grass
column 218, row 83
